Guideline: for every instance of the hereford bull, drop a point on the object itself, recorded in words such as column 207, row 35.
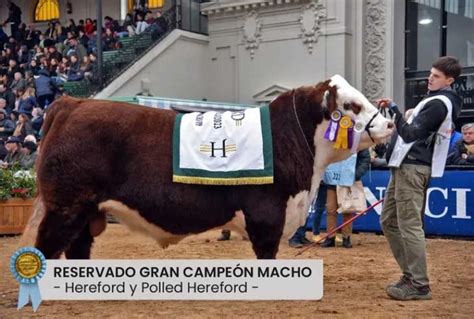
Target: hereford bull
column 101, row 157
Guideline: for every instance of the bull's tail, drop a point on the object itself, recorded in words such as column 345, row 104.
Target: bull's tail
column 60, row 108
column 31, row 230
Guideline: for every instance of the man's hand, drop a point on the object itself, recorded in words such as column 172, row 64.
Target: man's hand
column 383, row 102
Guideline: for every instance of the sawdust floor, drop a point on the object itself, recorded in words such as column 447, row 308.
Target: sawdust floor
column 354, row 281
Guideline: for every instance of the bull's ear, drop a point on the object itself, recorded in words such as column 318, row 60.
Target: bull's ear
column 331, row 99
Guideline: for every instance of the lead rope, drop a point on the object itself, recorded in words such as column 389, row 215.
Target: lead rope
column 299, row 125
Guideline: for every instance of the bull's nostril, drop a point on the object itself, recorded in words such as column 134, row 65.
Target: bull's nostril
column 390, row 125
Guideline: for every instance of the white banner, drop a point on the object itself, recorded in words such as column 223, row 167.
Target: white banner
column 182, row 280
column 215, row 141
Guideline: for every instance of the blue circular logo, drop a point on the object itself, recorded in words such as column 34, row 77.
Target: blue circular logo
column 28, row 265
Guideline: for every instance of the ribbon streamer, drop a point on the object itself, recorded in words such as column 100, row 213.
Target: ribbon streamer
column 342, row 138
column 357, row 133
column 333, row 126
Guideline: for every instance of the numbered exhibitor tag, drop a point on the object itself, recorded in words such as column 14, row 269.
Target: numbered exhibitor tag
column 341, row 173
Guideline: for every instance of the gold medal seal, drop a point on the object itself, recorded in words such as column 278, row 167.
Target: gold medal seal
column 28, row 265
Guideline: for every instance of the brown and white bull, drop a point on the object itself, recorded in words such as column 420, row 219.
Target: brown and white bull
column 101, row 157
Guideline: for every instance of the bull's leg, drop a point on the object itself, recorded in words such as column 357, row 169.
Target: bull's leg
column 60, row 228
column 81, row 247
column 265, row 231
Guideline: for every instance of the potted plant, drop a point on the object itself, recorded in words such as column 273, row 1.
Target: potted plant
column 17, row 191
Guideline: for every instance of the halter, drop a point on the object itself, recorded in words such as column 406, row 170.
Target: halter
column 368, row 126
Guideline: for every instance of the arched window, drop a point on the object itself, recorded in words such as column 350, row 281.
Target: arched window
column 46, row 10
column 151, row 4
column 155, row 4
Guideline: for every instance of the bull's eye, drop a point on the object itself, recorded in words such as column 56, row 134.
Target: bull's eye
column 354, row 107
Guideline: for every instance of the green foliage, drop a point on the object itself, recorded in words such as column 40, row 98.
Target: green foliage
column 17, row 184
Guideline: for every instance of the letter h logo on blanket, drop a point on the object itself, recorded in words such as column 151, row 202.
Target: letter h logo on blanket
column 212, row 148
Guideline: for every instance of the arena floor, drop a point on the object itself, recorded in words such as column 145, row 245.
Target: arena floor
column 354, row 281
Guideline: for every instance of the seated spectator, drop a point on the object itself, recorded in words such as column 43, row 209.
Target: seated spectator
column 74, row 47
column 7, row 126
column 13, row 145
column 38, row 119
column 23, row 56
column 141, row 25
column 27, row 102
column 89, row 27
column 53, row 53
column 74, row 73
column 455, row 137
column 9, row 96
column 29, row 79
column 71, row 26
column 83, row 39
column 18, row 82
column 53, row 67
column 62, row 71
column 33, row 67
column 128, row 27
column 86, row 65
column 464, row 151
column 158, row 26
column 161, row 21
column 92, row 72
column 32, row 37
column 111, row 23
column 29, row 155
column 80, row 26
column 23, row 127
column 109, row 40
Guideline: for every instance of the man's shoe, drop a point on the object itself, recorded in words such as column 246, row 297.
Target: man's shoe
column 404, row 280
column 346, row 242
column 329, row 242
column 295, row 244
column 409, row 292
column 317, row 238
column 225, row 235
column 305, row 241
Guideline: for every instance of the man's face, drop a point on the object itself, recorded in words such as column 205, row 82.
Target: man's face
column 3, row 88
column 468, row 135
column 437, row 80
column 3, row 104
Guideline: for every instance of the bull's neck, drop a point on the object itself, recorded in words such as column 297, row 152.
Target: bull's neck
column 293, row 129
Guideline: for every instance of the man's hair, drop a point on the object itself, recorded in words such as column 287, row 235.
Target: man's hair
column 449, row 66
column 467, row 126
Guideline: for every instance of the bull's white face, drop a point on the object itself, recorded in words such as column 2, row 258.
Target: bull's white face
column 355, row 105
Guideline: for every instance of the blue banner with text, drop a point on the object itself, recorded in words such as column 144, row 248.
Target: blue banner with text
column 449, row 207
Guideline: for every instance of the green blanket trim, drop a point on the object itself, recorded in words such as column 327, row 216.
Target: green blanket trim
column 242, row 177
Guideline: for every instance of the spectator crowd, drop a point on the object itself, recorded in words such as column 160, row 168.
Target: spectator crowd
column 34, row 64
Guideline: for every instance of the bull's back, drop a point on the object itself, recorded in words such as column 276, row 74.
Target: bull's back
column 91, row 142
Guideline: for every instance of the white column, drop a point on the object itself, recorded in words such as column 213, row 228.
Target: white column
column 123, row 9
